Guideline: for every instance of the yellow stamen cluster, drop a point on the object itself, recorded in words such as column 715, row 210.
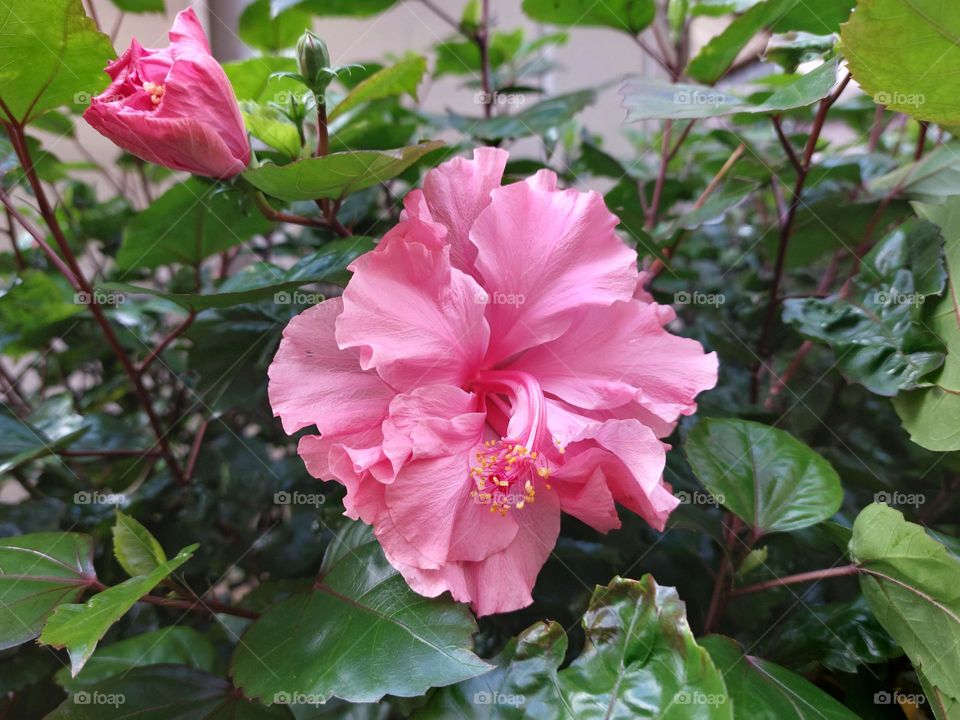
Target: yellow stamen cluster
column 155, row 90
column 501, row 464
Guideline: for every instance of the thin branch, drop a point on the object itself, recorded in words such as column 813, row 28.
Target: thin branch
column 270, row 213
column 482, row 39
column 195, row 450
column 786, row 231
column 440, row 13
column 163, row 344
column 41, row 241
column 199, row 605
column 661, row 176
column 842, row 571
column 656, row 267
column 110, row 452
column 18, row 140
column 785, row 142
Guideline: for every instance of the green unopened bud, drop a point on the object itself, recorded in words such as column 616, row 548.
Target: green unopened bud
column 313, row 60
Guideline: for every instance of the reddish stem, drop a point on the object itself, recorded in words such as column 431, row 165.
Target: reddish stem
column 18, row 140
column 786, row 231
column 842, row 571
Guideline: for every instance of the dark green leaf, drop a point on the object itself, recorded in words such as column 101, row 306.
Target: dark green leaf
column 640, row 660
column 164, row 692
column 875, row 328
column 21, row 442
column 631, row 16
column 336, row 175
column 37, row 573
column 356, row 8
column 427, row 641
column 534, row 120
column 263, row 281
column 647, row 99
column 761, row 690
column 189, row 222
column 168, row 646
column 140, row 6
column 768, row 478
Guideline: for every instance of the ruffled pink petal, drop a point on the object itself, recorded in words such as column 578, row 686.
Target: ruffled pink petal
column 631, row 358
column 634, row 470
column 584, row 492
column 544, row 254
column 187, row 33
column 504, row 581
column 314, row 382
column 327, row 460
column 455, row 193
column 431, row 500
column 414, row 319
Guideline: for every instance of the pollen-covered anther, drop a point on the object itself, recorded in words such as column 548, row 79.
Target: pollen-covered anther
column 510, row 470
column 155, row 90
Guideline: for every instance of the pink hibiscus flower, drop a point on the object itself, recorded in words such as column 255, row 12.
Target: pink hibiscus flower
column 492, row 363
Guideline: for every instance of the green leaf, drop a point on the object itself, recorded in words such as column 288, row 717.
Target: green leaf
column 521, row 685
column 21, row 442
column 336, row 175
column 256, row 80
column 164, row 692
column 140, row 6
column 762, row 690
column 137, row 551
column 932, row 179
column 399, row 79
column 631, row 16
column 813, row 16
column 190, row 221
column 932, row 417
column 349, row 8
column 913, row 586
column 899, row 51
column 640, row 660
column 263, row 281
column 768, row 478
column 792, row 49
column 37, row 573
column 647, row 98
column 944, row 316
column 272, row 127
column 840, row 636
column 79, row 628
column 463, row 57
column 716, row 57
column 53, row 56
column 167, row 646
column 537, row 119
column 258, row 29
column 34, row 309
column 421, row 642
column 876, row 328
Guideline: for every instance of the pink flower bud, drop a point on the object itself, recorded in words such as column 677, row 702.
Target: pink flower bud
column 174, row 106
